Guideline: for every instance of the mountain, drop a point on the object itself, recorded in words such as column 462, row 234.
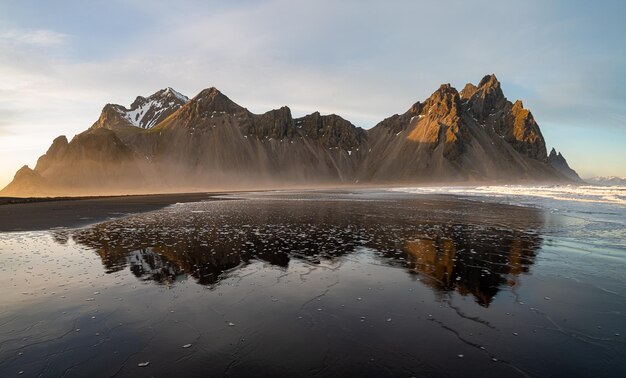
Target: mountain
column 607, row 181
column 475, row 135
column 558, row 162
column 167, row 142
column 144, row 112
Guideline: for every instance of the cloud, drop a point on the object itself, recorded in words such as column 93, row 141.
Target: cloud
column 37, row 37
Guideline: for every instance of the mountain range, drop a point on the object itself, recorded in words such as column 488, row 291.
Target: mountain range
column 607, row 181
column 167, row 142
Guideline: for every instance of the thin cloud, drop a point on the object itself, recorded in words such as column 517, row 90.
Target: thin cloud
column 37, row 37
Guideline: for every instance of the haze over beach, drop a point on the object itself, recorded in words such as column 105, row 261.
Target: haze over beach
column 312, row 188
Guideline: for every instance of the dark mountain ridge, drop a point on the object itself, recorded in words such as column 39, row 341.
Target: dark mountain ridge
column 166, row 142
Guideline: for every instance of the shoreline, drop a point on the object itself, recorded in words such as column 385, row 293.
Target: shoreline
column 43, row 213
column 38, row 214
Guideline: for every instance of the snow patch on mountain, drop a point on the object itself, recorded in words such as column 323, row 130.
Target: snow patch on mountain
column 147, row 112
column 176, row 94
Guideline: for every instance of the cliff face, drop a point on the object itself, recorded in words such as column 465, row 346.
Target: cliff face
column 474, row 135
column 488, row 106
column 166, row 142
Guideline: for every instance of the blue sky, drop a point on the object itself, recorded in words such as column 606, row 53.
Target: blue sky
column 61, row 61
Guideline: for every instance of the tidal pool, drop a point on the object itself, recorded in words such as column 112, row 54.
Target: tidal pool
column 363, row 283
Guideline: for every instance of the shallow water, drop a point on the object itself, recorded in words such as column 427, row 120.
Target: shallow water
column 365, row 283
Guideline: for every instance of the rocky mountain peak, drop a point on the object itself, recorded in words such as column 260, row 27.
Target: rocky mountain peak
column 112, row 117
column 558, row 162
column 211, row 99
column 487, row 97
column 55, row 152
column 332, row 131
column 468, row 91
column 553, row 153
column 29, row 181
column 444, row 102
column 169, row 92
column 518, row 105
column 24, row 171
column 167, row 96
column 144, row 112
column 445, row 89
column 489, row 81
column 208, row 92
column 416, row 108
column 274, row 124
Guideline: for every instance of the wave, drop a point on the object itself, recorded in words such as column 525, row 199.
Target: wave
column 615, row 195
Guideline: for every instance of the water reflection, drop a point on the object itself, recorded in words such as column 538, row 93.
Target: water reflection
column 449, row 245
column 476, row 263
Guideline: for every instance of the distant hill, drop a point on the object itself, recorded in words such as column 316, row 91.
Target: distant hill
column 607, row 181
column 167, row 142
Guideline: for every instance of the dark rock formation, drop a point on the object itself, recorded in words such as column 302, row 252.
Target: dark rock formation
column 558, row 162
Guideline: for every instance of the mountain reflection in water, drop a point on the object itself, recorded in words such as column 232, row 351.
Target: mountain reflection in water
column 448, row 246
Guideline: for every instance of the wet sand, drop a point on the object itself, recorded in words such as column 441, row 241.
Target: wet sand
column 318, row 283
column 30, row 214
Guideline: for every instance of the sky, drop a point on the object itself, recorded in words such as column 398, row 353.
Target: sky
column 62, row 61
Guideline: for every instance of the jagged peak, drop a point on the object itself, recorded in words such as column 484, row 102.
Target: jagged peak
column 487, row 97
column 558, row 162
column 555, row 154
column 446, row 88
column 110, row 106
column 445, row 91
column 446, row 98
column 144, row 112
column 209, row 92
column 25, row 170
column 112, row 115
column 317, row 114
column 489, row 81
column 468, row 91
column 416, row 108
column 211, row 99
column 58, row 144
column 489, row 86
column 61, row 139
column 283, row 113
column 169, row 91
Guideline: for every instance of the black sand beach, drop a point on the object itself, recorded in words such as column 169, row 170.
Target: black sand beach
column 318, row 283
column 28, row 214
